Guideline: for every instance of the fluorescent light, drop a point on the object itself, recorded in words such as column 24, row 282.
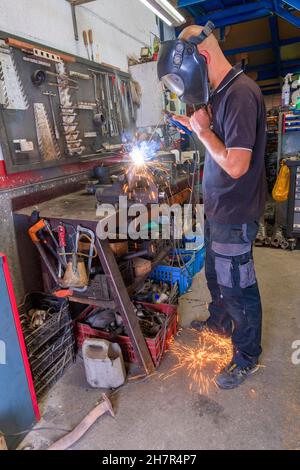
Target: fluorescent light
column 156, row 12
column 171, row 10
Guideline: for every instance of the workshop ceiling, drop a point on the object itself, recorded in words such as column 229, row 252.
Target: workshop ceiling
column 265, row 33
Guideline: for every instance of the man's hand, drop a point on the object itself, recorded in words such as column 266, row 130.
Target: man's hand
column 184, row 120
column 235, row 162
column 201, row 121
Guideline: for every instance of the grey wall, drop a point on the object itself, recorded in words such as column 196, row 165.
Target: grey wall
column 121, row 27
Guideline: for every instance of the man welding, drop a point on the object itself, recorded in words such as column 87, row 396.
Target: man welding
column 232, row 127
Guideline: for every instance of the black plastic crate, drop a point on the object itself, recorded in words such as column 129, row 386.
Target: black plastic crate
column 58, row 317
column 55, row 372
column 51, row 352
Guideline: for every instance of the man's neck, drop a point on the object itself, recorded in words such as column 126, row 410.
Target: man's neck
column 217, row 71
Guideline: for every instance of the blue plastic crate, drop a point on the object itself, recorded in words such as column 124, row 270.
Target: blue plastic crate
column 182, row 275
column 199, row 260
column 198, row 254
column 193, row 239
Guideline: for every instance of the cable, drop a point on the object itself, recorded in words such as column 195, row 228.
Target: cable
column 197, row 167
column 26, row 431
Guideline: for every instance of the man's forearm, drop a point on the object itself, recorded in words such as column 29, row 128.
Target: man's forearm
column 216, row 148
column 235, row 161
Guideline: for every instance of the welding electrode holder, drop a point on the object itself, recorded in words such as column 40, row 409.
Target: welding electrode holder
column 180, row 126
column 177, row 124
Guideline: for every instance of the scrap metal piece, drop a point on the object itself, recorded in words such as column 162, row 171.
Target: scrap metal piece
column 278, row 238
column 262, row 239
column 71, row 438
column 12, row 94
column 45, row 136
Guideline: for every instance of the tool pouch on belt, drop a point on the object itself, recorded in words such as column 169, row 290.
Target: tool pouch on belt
column 231, row 245
column 240, row 273
column 281, row 188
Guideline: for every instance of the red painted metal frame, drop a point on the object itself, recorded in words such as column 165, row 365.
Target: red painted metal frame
column 14, row 308
column 17, row 180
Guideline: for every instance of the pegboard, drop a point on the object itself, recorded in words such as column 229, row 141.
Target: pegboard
column 92, row 106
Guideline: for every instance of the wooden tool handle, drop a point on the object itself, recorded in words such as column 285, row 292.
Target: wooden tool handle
column 90, row 33
column 85, row 38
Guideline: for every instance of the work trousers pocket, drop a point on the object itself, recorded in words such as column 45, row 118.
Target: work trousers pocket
column 223, row 268
column 247, row 274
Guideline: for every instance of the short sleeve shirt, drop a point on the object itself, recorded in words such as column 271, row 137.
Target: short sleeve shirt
column 239, row 120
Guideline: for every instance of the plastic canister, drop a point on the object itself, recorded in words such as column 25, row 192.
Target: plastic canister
column 103, row 362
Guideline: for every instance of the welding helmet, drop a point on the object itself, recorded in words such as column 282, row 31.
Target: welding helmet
column 183, row 70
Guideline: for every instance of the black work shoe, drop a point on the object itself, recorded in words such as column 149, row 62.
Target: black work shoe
column 234, row 375
column 199, row 325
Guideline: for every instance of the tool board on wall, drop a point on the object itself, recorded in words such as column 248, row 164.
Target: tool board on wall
column 56, row 108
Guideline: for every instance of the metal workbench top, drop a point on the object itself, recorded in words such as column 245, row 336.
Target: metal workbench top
column 74, row 206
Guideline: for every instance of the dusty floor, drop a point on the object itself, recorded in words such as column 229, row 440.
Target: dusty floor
column 264, row 413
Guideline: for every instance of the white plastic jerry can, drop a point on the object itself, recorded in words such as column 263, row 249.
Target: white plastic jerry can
column 103, row 362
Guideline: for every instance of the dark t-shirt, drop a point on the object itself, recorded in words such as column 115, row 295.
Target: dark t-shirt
column 239, row 120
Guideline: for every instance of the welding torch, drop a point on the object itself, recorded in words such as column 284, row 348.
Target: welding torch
column 173, row 122
column 177, row 124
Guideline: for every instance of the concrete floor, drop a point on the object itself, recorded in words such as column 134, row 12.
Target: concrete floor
column 264, row 413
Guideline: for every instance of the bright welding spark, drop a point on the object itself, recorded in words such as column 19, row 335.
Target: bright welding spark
column 138, row 157
column 202, row 361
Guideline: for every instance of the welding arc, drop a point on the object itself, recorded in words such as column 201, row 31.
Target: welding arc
column 158, row 124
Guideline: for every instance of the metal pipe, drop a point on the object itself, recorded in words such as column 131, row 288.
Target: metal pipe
column 236, row 11
column 242, row 18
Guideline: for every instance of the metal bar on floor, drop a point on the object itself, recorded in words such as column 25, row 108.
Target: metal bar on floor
column 123, row 302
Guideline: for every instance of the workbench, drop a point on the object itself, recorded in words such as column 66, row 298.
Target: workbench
column 79, row 208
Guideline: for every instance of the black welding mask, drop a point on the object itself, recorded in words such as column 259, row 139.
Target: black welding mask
column 183, row 70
